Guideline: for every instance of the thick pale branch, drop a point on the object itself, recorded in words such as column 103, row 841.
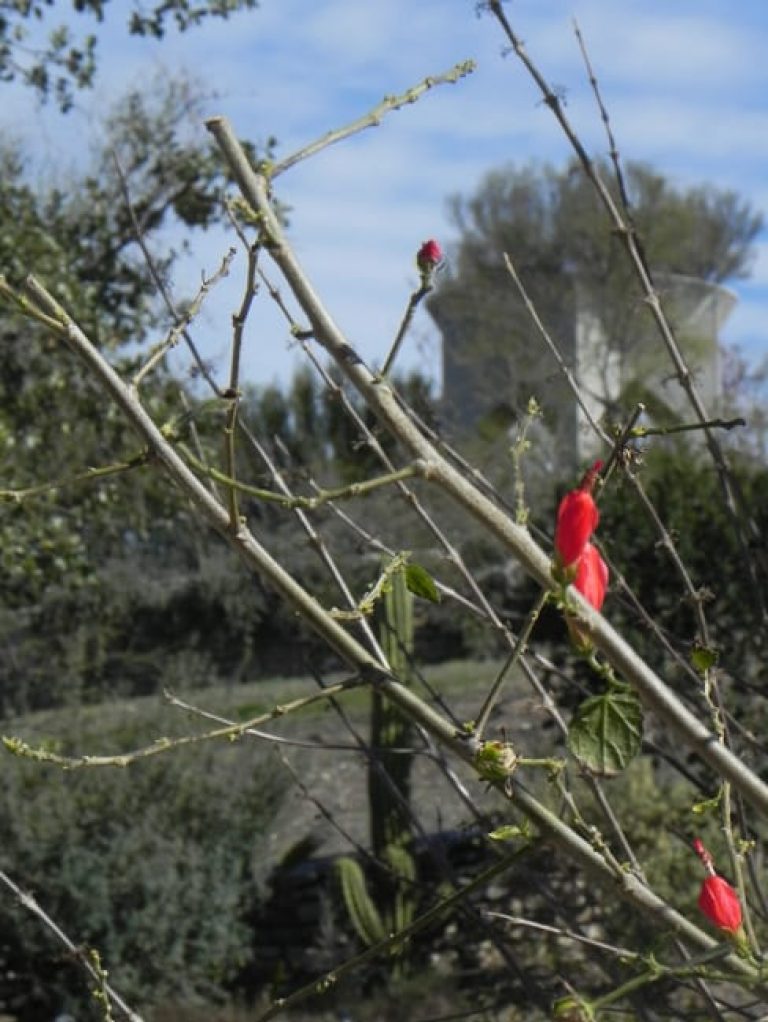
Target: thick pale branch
column 382, row 400
column 349, row 649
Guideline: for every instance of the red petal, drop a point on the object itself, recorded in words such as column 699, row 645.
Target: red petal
column 577, row 519
column 592, row 576
column 720, row 904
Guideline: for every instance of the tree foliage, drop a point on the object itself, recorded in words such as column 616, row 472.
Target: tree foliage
column 82, row 237
column 166, row 604
column 315, row 428
column 552, row 223
column 553, row 227
column 686, row 496
column 54, row 61
column 60, row 550
column 155, row 866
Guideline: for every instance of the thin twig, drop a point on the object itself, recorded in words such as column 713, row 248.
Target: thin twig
column 641, row 432
column 162, row 745
column 554, row 350
column 557, row 931
column 179, row 328
column 517, row 651
column 158, row 281
column 373, row 119
column 413, row 303
column 79, row 953
column 613, row 150
column 441, row 908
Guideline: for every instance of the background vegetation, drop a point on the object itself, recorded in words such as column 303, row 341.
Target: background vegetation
column 114, row 592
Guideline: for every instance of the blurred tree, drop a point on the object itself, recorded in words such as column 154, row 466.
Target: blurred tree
column 49, row 58
column 686, row 495
column 554, row 229
column 163, row 887
column 315, row 429
column 79, row 237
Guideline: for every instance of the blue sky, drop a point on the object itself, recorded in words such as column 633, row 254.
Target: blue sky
column 686, row 85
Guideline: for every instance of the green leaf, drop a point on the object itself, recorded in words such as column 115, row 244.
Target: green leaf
column 710, row 805
column 507, row 833
column 421, row 583
column 573, row 1009
column 704, row 657
column 606, row 731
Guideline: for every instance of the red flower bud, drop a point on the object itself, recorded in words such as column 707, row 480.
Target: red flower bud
column 592, row 576
column 720, row 904
column 717, row 899
column 577, row 519
column 429, row 256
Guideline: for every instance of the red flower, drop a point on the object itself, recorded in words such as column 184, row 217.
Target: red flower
column 577, row 519
column 592, row 576
column 717, row 899
column 720, row 904
column 429, row 256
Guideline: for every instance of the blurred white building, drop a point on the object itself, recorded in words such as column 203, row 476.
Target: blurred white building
column 488, row 375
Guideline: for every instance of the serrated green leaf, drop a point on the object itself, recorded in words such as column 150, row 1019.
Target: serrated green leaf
column 421, row 583
column 606, row 732
column 704, row 657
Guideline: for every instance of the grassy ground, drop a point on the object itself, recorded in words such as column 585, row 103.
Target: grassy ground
column 117, row 726
column 335, row 779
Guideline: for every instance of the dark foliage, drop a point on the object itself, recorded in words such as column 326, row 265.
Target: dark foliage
column 153, row 865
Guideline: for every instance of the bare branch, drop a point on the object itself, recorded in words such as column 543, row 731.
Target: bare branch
column 373, row 119
column 90, row 964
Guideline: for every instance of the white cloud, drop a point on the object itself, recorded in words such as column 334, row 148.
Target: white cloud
column 684, row 84
column 653, row 44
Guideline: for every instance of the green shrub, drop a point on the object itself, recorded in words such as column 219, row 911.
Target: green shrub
column 153, row 865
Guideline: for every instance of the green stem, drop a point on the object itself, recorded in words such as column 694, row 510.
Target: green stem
column 18, row 747
column 88, row 475
column 349, row 492
column 233, row 391
column 694, row 968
